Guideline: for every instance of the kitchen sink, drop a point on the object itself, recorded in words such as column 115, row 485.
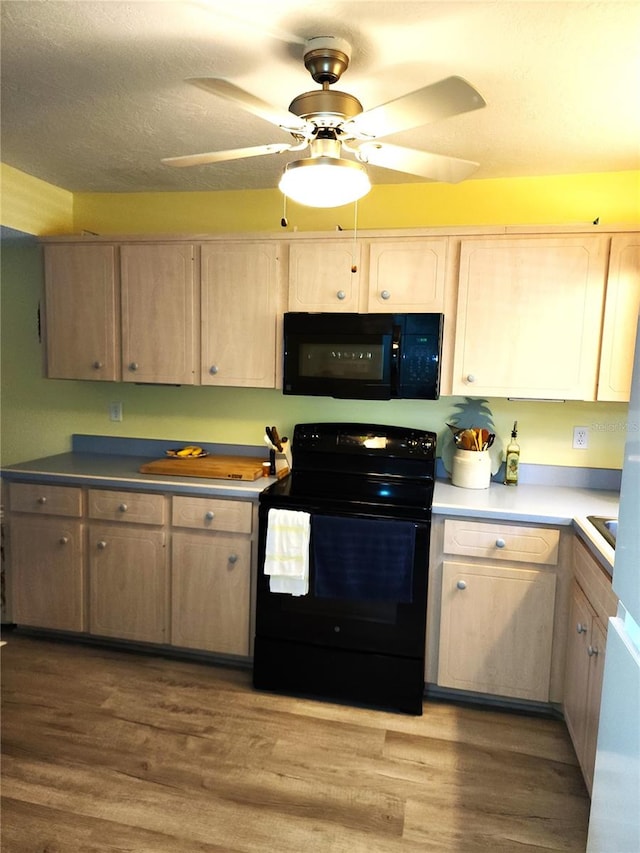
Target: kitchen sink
column 607, row 527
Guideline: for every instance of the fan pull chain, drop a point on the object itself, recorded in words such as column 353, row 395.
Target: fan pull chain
column 284, row 221
column 354, row 266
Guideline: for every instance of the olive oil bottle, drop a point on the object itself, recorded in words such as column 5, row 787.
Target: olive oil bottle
column 512, row 458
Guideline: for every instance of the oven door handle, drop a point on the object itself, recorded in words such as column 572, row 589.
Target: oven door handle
column 396, row 356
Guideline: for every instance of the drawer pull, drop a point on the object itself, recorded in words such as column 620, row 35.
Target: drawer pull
column 461, row 584
column 123, row 508
column 591, row 651
column 500, row 543
column 385, row 294
column 42, row 500
column 233, row 558
column 341, row 294
column 580, row 628
column 102, row 545
column 471, row 377
column 64, row 540
column 210, row 515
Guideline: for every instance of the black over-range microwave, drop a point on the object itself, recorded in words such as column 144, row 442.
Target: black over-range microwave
column 363, row 356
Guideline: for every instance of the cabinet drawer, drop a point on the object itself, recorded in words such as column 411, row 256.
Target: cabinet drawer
column 132, row 507
column 502, row 541
column 45, row 500
column 212, row 514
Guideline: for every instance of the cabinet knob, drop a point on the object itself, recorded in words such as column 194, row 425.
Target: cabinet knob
column 233, row 558
column 123, row 508
column 64, row 540
column 213, row 369
column 210, row 515
column 133, row 366
column 592, row 652
column 42, row 499
column 461, row 584
column 102, row 545
column 97, row 365
column 471, row 377
column 341, row 294
column 500, row 543
column 580, row 628
column 385, row 294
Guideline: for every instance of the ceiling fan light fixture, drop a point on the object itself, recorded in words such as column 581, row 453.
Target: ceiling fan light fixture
column 324, row 181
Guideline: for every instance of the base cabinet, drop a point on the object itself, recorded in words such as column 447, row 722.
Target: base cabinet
column 592, row 602
column 128, row 583
column 210, row 591
column 491, row 612
column 46, row 556
column 496, row 630
column 583, row 684
column 135, row 566
column 46, row 560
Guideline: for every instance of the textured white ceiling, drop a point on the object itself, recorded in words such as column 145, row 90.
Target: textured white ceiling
column 93, row 93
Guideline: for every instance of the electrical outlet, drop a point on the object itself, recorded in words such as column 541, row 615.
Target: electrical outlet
column 580, row 438
column 115, row 411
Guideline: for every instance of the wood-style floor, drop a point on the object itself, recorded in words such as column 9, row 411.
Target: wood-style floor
column 112, row 751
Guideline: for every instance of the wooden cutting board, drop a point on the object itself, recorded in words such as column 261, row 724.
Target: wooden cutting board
column 214, row 467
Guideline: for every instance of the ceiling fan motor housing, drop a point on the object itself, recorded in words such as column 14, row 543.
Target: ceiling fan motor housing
column 326, row 58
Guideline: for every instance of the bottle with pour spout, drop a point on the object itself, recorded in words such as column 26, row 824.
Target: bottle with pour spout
column 512, row 458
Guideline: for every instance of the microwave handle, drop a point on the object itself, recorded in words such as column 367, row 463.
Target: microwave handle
column 396, row 340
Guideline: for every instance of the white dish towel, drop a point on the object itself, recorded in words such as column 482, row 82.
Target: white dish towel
column 287, row 551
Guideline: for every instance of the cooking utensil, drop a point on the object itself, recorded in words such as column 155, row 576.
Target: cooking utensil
column 276, row 439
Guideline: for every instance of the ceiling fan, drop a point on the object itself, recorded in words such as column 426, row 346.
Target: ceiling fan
column 329, row 122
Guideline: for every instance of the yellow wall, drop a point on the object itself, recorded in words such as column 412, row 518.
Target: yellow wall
column 34, row 206
column 39, row 416
column 557, row 200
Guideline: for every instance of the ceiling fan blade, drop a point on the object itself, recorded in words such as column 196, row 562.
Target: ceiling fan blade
column 230, row 154
column 281, row 118
column 434, row 167
column 448, row 97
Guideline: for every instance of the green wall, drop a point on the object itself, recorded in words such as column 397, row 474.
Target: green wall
column 38, row 416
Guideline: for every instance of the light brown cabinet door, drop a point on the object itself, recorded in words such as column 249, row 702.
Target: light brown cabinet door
column 496, row 629
column 81, row 312
column 239, row 314
column 407, row 275
column 620, row 318
column 47, row 572
column 529, row 316
column 324, row 275
column 577, row 669
column 158, row 295
column 128, row 583
column 210, row 592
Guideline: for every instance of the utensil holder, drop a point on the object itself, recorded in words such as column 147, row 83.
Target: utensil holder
column 471, row 469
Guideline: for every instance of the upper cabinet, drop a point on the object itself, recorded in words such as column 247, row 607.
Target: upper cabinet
column 240, row 314
column 620, row 318
column 324, row 275
column 407, row 275
column 81, row 312
column 529, row 316
column 371, row 275
column 158, row 313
